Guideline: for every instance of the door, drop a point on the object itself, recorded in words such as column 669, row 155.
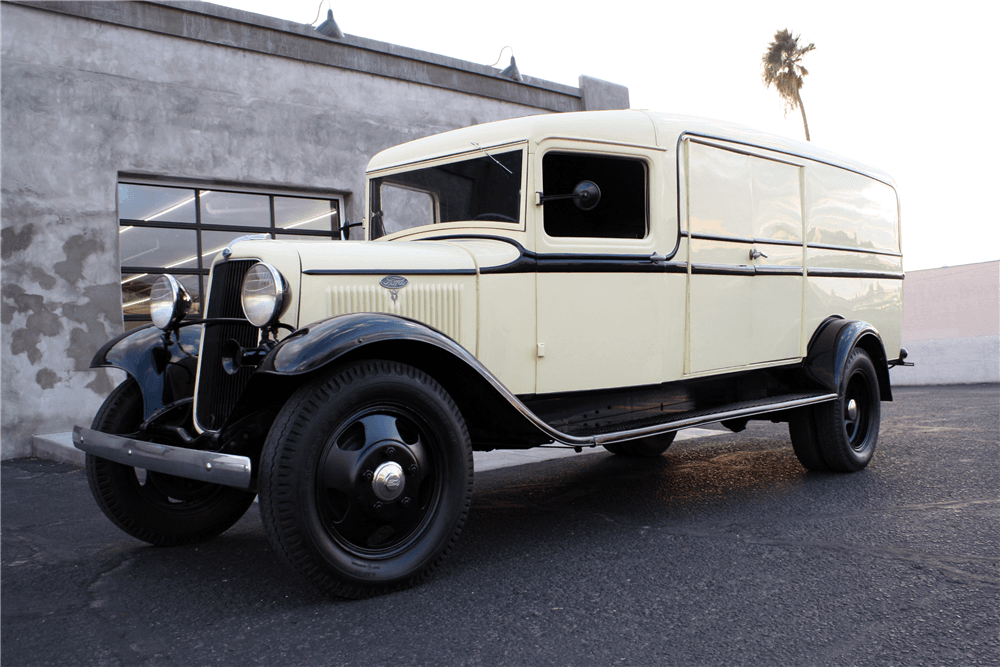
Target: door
column 745, row 252
column 600, row 296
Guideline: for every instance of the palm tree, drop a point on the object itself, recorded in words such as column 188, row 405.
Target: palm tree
column 782, row 64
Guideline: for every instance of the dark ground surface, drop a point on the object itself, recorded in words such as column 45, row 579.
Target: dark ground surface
column 723, row 552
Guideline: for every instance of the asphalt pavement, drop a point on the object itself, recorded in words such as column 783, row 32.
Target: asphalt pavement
column 724, row 551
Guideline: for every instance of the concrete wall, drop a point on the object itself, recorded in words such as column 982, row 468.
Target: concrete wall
column 92, row 91
column 951, row 325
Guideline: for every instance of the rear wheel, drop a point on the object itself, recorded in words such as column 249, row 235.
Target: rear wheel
column 160, row 509
column 841, row 435
column 366, row 479
column 648, row 447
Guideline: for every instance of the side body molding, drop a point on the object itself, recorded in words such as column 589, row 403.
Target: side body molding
column 832, row 343
column 164, row 368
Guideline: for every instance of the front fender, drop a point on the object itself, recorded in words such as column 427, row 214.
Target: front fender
column 323, row 342
column 163, row 366
column 494, row 415
column 832, row 344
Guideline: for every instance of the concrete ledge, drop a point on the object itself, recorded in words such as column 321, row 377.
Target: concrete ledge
column 57, row 447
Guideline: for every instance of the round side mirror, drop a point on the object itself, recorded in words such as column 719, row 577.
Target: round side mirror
column 586, row 195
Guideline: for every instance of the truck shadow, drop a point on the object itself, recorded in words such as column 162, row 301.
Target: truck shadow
column 561, row 505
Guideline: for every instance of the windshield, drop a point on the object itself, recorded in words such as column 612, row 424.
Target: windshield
column 487, row 187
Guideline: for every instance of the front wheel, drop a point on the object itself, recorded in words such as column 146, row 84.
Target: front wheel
column 154, row 507
column 366, row 479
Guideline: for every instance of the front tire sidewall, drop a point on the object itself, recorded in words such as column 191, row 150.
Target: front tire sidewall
column 291, row 460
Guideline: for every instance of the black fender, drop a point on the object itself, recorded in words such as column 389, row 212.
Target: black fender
column 494, row 415
column 833, row 342
column 163, row 365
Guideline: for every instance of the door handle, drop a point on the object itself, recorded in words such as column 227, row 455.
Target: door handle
column 756, row 254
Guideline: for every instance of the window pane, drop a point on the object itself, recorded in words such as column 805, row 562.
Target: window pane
column 621, row 211
column 299, row 213
column 136, row 286
column 166, row 248
column 155, row 203
column 295, row 238
column 235, row 208
column 212, row 243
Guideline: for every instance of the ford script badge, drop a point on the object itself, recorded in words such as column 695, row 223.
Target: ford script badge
column 394, row 284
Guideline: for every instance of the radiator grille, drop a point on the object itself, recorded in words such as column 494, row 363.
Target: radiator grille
column 217, row 390
column 436, row 305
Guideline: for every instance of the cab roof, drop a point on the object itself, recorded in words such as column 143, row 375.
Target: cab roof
column 634, row 127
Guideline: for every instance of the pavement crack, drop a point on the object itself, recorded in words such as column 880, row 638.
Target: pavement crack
column 95, row 601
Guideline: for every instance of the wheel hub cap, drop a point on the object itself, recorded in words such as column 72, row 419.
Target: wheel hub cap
column 852, row 410
column 388, row 482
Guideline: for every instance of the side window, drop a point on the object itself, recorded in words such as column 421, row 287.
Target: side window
column 622, row 210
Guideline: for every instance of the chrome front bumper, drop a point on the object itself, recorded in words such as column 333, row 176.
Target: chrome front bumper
column 224, row 469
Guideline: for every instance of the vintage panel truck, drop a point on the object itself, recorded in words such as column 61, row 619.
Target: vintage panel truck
column 582, row 279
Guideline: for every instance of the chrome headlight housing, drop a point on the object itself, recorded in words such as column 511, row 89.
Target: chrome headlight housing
column 264, row 295
column 169, row 302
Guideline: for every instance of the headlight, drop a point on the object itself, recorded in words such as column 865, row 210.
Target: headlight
column 168, row 302
column 264, row 295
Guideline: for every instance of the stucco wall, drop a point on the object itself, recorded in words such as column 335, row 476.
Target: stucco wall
column 188, row 92
column 951, row 325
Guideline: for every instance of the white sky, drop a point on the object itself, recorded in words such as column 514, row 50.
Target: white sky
column 909, row 87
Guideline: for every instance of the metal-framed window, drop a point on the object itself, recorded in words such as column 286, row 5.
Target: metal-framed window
column 178, row 229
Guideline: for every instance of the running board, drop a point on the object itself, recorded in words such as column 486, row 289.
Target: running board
column 678, row 421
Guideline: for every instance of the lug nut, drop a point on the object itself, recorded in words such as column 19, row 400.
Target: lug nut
column 390, row 451
column 412, row 470
column 369, row 475
column 404, row 502
column 377, row 506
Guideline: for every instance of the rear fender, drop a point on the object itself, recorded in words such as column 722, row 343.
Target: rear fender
column 832, row 344
column 164, row 366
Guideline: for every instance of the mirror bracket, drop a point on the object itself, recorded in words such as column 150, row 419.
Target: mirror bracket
column 586, row 195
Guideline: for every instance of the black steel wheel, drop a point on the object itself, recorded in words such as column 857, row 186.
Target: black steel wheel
column 160, row 509
column 366, row 479
column 648, row 447
column 841, row 435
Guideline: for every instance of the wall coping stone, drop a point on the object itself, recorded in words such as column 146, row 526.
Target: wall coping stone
column 234, row 28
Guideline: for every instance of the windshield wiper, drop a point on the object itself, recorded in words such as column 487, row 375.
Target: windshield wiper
column 492, row 158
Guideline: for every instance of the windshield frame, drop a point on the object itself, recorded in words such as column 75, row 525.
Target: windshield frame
column 374, row 179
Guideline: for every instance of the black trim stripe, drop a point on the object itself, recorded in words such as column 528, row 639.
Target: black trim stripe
column 530, row 262
column 773, row 270
column 742, row 152
column 592, row 264
column 388, row 272
column 823, row 246
column 722, row 270
column 740, row 239
column 853, row 273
